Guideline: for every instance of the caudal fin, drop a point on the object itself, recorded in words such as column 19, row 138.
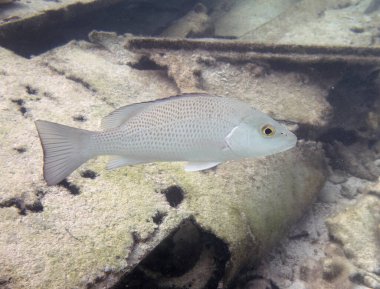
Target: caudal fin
column 65, row 149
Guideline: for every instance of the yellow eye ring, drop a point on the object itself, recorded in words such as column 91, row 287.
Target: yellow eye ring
column 268, row 130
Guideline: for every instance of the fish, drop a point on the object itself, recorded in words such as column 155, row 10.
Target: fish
column 203, row 130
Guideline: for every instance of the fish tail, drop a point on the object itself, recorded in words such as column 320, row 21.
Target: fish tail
column 65, row 149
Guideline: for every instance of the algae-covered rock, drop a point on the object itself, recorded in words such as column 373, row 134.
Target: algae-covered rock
column 238, row 18
column 305, row 22
column 356, row 229
column 259, row 200
column 193, row 24
column 277, row 92
column 99, row 227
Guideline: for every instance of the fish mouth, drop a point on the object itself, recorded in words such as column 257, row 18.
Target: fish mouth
column 292, row 139
column 289, row 142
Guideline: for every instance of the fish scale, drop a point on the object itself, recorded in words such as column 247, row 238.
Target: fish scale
column 171, row 128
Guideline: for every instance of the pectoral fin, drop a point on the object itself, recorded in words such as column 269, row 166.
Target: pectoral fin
column 199, row 166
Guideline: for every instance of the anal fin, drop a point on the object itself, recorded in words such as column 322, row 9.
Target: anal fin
column 199, row 166
column 121, row 161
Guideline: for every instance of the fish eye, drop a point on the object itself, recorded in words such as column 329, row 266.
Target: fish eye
column 268, row 130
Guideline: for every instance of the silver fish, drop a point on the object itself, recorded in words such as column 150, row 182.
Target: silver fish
column 202, row 129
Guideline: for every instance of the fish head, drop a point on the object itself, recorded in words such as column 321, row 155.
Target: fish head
column 259, row 135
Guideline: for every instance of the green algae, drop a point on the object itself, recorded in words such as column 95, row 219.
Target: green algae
column 249, row 211
column 247, row 204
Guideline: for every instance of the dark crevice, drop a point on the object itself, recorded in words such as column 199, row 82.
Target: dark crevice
column 145, row 63
column 135, row 243
column 31, row 90
column 351, row 98
column 81, row 82
column 88, row 174
column 21, row 106
column 79, row 118
column 53, row 69
column 72, row 188
column 35, row 207
column 174, row 195
column 357, row 278
column 15, row 202
column 375, row 194
column 22, row 206
column 71, row 77
column 330, row 135
column 346, row 137
column 18, row 101
column 299, row 235
column 351, row 135
column 4, row 281
column 136, row 237
column 48, row 95
column 159, row 217
column 20, row 149
column 23, row 110
column 372, row 143
column 57, row 27
column 177, row 255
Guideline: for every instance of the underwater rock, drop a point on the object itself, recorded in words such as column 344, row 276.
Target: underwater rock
column 111, row 42
column 272, row 91
column 248, row 238
column 296, row 22
column 330, row 272
column 373, row 189
column 196, row 23
column 240, row 17
column 91, row 232
column 373, row 116
column 356, row 102
column 337, row 178
column 352, row 187
column 332, row 268
column 356, row 228
column 34, row 13
column 330, row 192
column 32, row 27
column 356, row 159
column 373, row 6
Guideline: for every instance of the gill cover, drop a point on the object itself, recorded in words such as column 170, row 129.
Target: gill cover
column 238, row 139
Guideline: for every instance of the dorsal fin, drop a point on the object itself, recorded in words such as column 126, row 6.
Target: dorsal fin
column 122, row 114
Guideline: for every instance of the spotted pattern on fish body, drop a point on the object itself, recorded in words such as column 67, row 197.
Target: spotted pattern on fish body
column 202, row 129
column 179, row 129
